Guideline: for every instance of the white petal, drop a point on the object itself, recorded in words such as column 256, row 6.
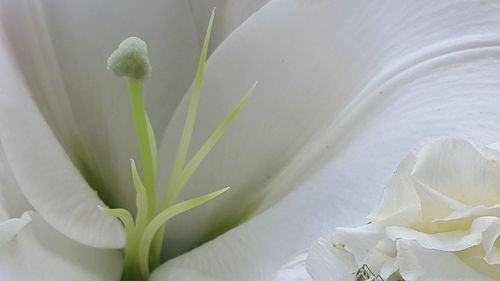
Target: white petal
column 473, row 258
column 62, row 50
column 328, row 263
column 297, row 130
column 399, row 204
column 40, row 253
column 295, row 269
column 460, row 170
column 12, row 201
column 9, row 228
column 45, row 174
column 434, row 204
column 457, row 240
column 381, row 259
column 229, row 15
column 490, row 236
column 444, row 241
column 419, row 264
column 495, row 146
column 472, row 212
column 359, row 241
column 182, row 274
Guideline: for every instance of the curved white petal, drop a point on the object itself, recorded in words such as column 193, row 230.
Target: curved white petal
column 12, row 201
column 419, row 264
column 465, row 172
column 295, row 269
column 399, row 203
column 229, row 15
column 443, row 241
column 43, row 171
column 10, row 227
column 62, row 48
column 358, row 240
column 490, row 236
column 38, row 252
column 328, row 263
column 346, row 90
column 470, row 257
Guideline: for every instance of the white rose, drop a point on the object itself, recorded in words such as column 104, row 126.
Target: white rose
column 438, row 219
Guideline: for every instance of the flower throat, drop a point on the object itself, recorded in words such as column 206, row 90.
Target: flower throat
column 145, row 231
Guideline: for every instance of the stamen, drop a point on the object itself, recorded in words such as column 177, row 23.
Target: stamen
column 162, row 218
column 130, row 59
column 338, row 245
column 145, row 234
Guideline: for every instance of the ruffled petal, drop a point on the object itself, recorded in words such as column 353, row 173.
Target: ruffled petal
column 295, row 269
column 490, row 236
column 420, row 264
column 399, row 203
column 468, row 173
column 328, row 263
column 444, row 241
column 358, row 241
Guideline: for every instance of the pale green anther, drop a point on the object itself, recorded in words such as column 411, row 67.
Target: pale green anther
column 131, row 59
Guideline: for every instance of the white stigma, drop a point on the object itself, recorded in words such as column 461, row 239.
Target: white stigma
column 130, row 59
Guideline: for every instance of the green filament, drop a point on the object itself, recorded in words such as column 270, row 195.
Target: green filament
column 173, row 189
column 131, row 248
column 141, row 199
column 193, row 164
column 189, row 123
column 160, row 220
column 136, row 93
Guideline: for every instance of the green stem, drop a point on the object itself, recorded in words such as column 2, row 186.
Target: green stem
column 136, row 94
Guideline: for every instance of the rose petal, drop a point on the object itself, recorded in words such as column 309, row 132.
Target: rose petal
column 468, row 173
column 399, row 204
column 295, row 269
column 359, row 241
column 445, row 241
column 420, row 264
column 328, row 263
column 490, row 236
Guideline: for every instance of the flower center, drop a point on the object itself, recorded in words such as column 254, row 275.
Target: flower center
column 145, row 231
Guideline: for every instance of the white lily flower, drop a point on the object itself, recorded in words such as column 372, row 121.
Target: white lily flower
column 346, row 89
